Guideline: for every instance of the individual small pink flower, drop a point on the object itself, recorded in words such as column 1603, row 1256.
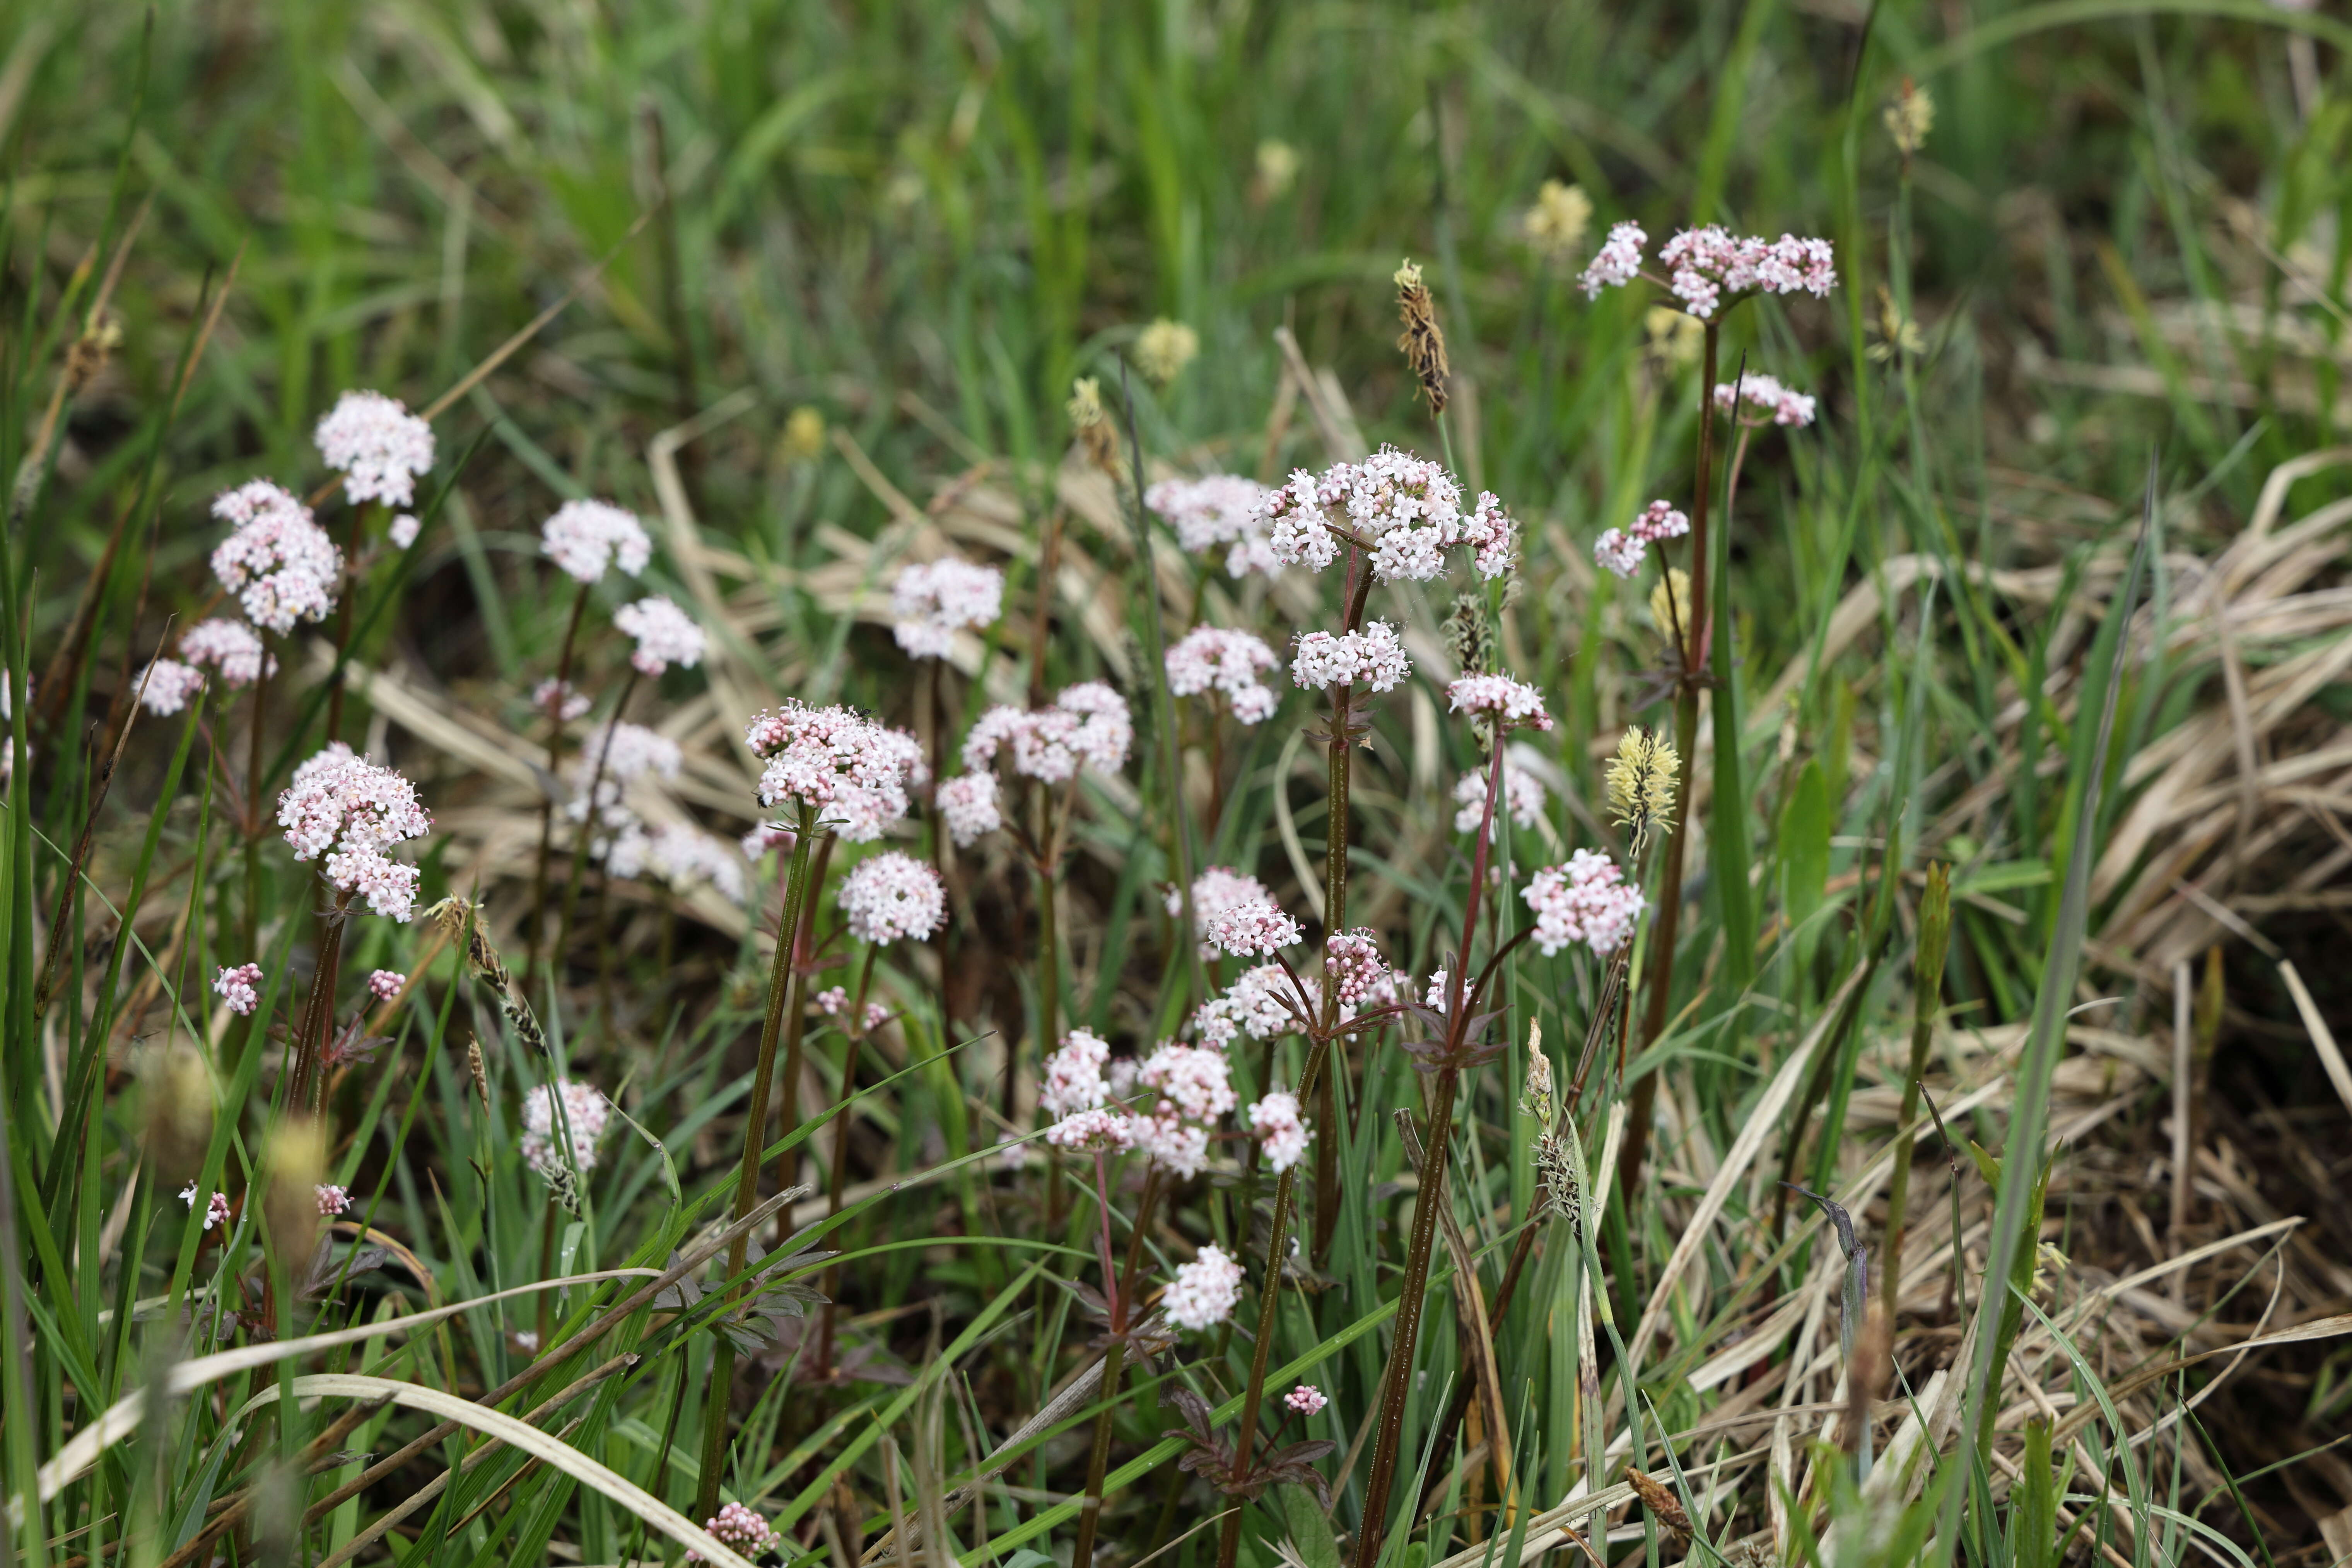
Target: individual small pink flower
column 332, row 1200
column 230, row 648
column 403, row 530
column 967, row 804
column 747, row 1531
column 1619, row 261
column 1513, row 703
column 378, row 443
column 560, row 700
column 385, row 983
column 1374, row 657
column 216, row 1211
column 166, row 686
column 665, row 635
column 1255, row 929
column 1213, row 658
column 1204, row 1291
column 934, row 601
column 1305, row 1400
column 1785, row 404
column 892, row 896
column 1074, row 1076
column 1523, row 793
column 277, row 561
column 1281, row 1131
column 1586, row 899
column 585, row 538
column 240, row 987
column 1095, row 1131
column 1218, row 509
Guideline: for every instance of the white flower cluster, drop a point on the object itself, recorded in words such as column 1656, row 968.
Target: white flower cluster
column 560, row 700
column 613, row 755
column 1374, row 657
column 1523, row 796
column 1087, row 726
column 1213, row 658
column 332, row 1200
column 1255, row 927
column 351, row 810
column 1786, row 405
column 585, row 538
column 833, row 1002
column 1195, row 1090
column 665, row 634
column 1281, row 1132
column 1215, row 891
column 1406, row 509
column 934, row 601
column 232, row 648
column 967, row 804
column 384, row 984
column 166, row 685
column 1618, row 261
column 892, row 896
column 1204, row 1291
column 679, row 853
column 1711, row 266
column 378, row 443
column 278, row 562
column 1074, row 1076
column 1512, row 703
column 855, row 771
column 1262, row 1004
column 1622, row 549
column 1218, row 509
column 585, row 1113
column 216, row 1211
column 1585, row 899
column 1352, row 962
column 743, row 1528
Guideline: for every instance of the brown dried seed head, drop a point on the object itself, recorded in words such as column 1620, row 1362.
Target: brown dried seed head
column 1423, row 342
column 1091, row 426
column 1659, row 1502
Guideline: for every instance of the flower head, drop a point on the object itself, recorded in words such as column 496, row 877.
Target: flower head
column 277, row 561
column 1280, row 1130
column 230, row 648
column 967, row 804
column 852, row 771
column 1523, row 793
column 1622, row 551
column 1215, row 891
column 1554, row 227
column 385, row 983
column 1262, row 1004
column 1163, row 349
column 1909, row 116
column 1306, row 1399
column 1204, row 1291
column 378, row 443
column 1087, row 726
column 403, row 530
column 240, row 987
column 332, row 1200
column 1191, row 1081
column 665, row 635
column 1352, row 961
column 585, row 538
column 1255, row 927
column 1211, row 659
column 1074, row 1076
column 351, row 810
column 739, row 1527
column 1374, row 657
column 1585, row 899
column 613, row 754
column 892, row 896
column 1711, row 267
column 679, row 853
column 1218, row 509
column 1094, row 1131
column 216, row 1211
column 1513, row 703
column 1641, row 783
column 934, row 601
column 560, row 700
column 166, row 685
column 585, row 1112
column 1785, row 404
column 1618, row 262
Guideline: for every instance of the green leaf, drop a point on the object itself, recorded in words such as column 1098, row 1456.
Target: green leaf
column 1310, row 1532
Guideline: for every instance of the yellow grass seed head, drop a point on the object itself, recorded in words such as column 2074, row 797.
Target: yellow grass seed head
column 803, row 436
column 1642, row 783
column 1670, row 603
column 1163, row 349
column 1554, row 227
column 1910, row 115
column 1672, row 336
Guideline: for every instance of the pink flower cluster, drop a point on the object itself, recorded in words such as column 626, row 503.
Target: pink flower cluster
column 277, row 561
column 934, row 601
column 1256, row 927
column 1195, row 1090
column 1622, row 549
column 679, row 853
column 833, row 1002
column 665, row 635
column 1281, row 1131
column 403, row 530
column 967, row 804
column 1710, row 263
column 1406, row 510
column 1352, row 964
column 585, row 538
column 1087, row 726
column 1094, row 1131
column 1213, row 658
column 1513, row 703
column 385, row 983
column 739, row 1527
column 332, row 1200
column 378, row 443
column 1074, row 1076
column 351, row 810
column 585, row 1113
column 1262, row 1004
column 1204, row 1291
column 1523, row 796
column 216, row 1211
column 232, row 648
column 1784, row 404
column 1215, row 891
column 892, row 896
column 1305, row 1400
column 240, row 987
column 1586, row 899
column 1618, row 262
column 559, row 699
column 1217, row 509
column 852, row 771
column 1374, row 657
column 166, row 685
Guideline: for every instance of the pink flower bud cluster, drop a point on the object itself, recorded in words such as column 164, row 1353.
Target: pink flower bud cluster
column 1513, row 703
column 332, row 1200
column 934, row 601
column 853, row 772
column 216, row 1211
column 1204, row 1291
column 1784, row 404
column 1586, row 899
column 1256, row 927
column 240, row 987
column 586, row 538
column 1281, row 1132
column 1618, row 262
column 585, row 1113
column 231, row 648
column 665, row 634
column 1622, row 549
column 1217, row 509
column 1305, row 1400
column 892, row 896
column 1374, row 657
column 1074, row 1076
column 1352, row 964
column 278, row 563
column 385, row 983
column 351, row 810
column 166, row 686
column 1406, row 509
column 833, row 1002
column 378, row 443
column 1215, row 891
column 1523, row 795
column 739, row 1527
column 1211, row 659
column 1087, row 726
